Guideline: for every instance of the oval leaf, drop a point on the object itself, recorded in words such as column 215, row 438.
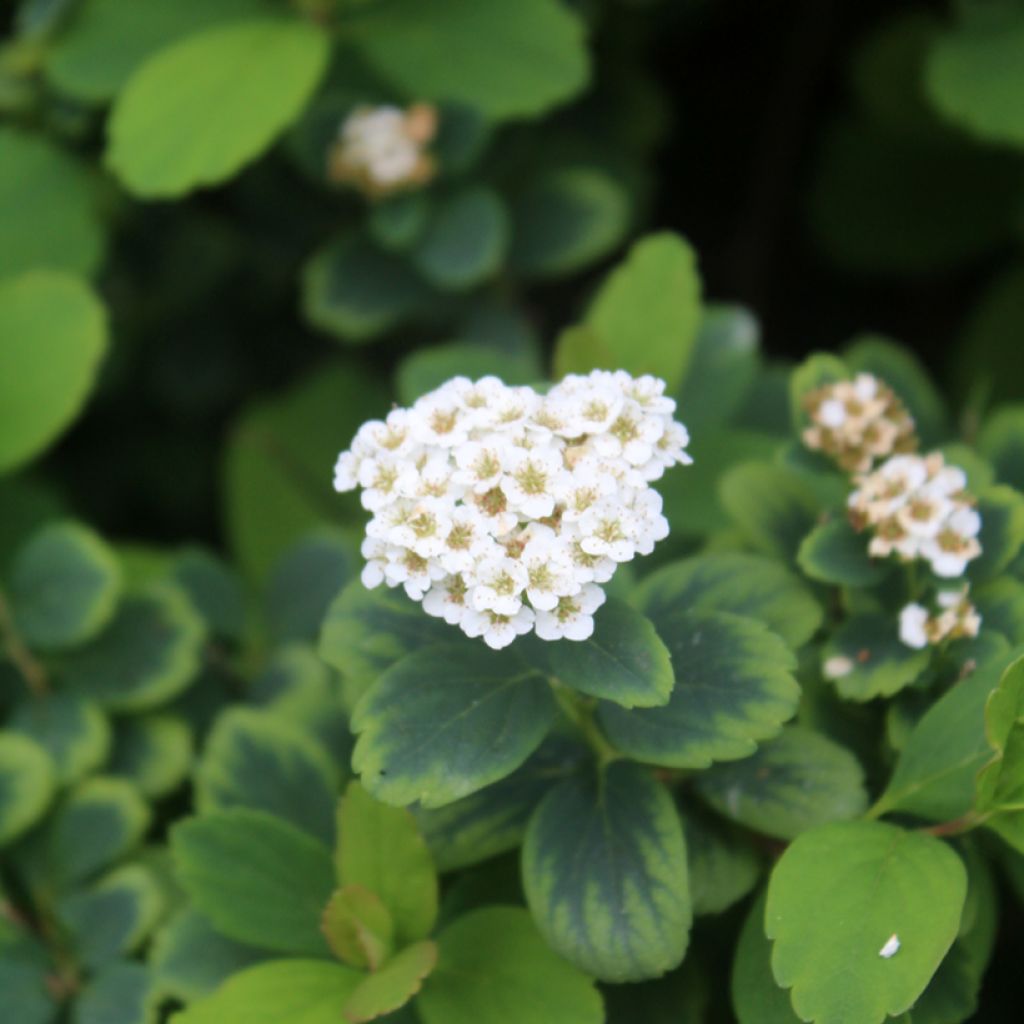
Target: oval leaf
column 27, row 783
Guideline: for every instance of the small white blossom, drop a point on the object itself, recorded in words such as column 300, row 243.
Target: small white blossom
column 953, row 616
column 504, row 511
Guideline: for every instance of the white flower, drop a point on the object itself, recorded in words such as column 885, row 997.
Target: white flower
column 535, row 481
column 498, row 631
column 573, row 617
column 446, row 599
column 953, row 616
column 498, row 584
column 913, row 623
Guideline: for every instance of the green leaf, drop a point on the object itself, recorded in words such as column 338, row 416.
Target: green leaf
column 1001, row 606
column 391, row 987
column 73, row 731
column 64, row 585
column 465, row 241
column 1002, row 532
column 114, row 916
column 494, row 968
column 255, row 760
column 934, row 777
column 1001, row 441
column 1000, row 783
column 880, row 663
column 122, row 993
column 835, row 898
column 732, row 581
column 773, row 507
column 48, row 208
column 506, row 60
column 834, row 552
column 357, row 291
column 190, row 959
column 756, row 997
column 214, row 589
column 734, row 688
column 260, row 880
column 646, row 316
column 722, row 863
column 790, row 784
column 55, row 335
column 974, row 76
column 445, row 721
column 624, row 660
column 277, row 484
column 604, row 868
column 304, row 582
column 25, row 970
column 155, row 751
column 380, row 848
column 367, row 631
column 818, row 370
column 358, row 927
column 27, row 784
column 148, row 654
column 198, row 111
column 397, row 222
column 296, row 991
column 96, row 824
column 565, row 220
column 493, row 819
column 108, row 39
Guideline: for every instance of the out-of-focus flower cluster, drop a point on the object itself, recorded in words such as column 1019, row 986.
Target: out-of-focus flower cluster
column 381, row 150
column 858, row 422
column 503, row 510
column 918, row 508
column 952, row 617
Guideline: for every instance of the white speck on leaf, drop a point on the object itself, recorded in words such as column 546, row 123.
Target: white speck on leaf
column 891, row 947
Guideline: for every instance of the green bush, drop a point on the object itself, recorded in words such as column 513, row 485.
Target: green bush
column 771, row 767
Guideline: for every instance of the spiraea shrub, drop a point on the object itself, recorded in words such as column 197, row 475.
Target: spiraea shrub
column 420, row 602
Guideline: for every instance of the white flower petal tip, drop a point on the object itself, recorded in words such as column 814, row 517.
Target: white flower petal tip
column 891, row 947
column 503, row 510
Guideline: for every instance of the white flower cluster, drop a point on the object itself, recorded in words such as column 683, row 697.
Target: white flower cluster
column 381, row 150
column 858, row 422
column 504, row 511
column 918, row 508
column 953, row 617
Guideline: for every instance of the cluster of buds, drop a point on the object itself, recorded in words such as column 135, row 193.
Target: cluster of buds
column 918, row 508
column 503, row 510
column 952, row 617
column 858, row 422
column 382, row 150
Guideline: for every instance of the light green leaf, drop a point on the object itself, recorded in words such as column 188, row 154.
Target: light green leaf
column 108, row 39
column 260, row 880
column 792, row 783
column 72, row 730
column 722, row 863
column 975, row 78
column 734, row 688
column 48, row 208
column 55, row 335
column 835, row 898
column 604, row 869
column 278, row 462
column 64, row 585
column 756, row 997
column 391, row 987
column 190, row 959
column 506, row 60
column 154, row 750
column 566, row 219
column 254, row 759
column 624, row 660
column 358, row 927
column 381, row 849
column 1000, row 783
column 296, row 991
column 196, row 112
column 494, row 968
column 834, row 552
column 448, row 720
column 465, row 241
column 773, row 506
column 646, row 316
column 880, row 663
column 122, row 993
column 148, row 654
column 733, row 581
column 27, row 784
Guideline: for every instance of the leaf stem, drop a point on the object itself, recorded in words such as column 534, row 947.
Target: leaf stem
column 20, row 656
column 580, row 711
column 958, row 826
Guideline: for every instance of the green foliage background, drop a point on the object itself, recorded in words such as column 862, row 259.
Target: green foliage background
column 682, row 822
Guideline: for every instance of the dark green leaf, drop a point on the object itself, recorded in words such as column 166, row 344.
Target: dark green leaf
column 1002, row 442
column 722, row 864
column 27, row 784
column 122, row 993
column 835, row 553
column 880, row 664
column 214, row 590
column 73, row 731
column 154, row 750
column 1002, row 532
